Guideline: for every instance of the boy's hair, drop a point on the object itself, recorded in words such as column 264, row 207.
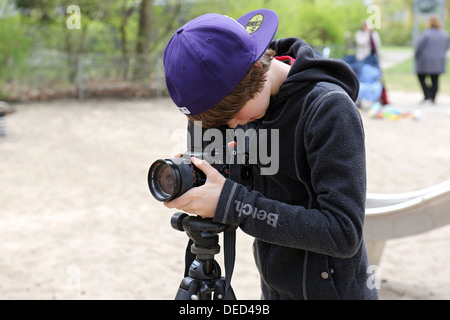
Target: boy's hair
column 251, row 84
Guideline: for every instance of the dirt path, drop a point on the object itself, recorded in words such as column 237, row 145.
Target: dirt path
column 77, row 220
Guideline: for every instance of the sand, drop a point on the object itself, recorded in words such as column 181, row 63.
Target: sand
column 77, row 220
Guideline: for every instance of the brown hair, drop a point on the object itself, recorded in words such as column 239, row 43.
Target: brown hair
column 245, row 90
column 434, row 22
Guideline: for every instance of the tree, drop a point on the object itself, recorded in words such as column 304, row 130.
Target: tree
column 145, row 27
column 396, row 21
column 15, row 45
column 143, row 39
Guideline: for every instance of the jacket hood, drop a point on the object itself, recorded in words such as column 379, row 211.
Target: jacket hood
column 311, row 68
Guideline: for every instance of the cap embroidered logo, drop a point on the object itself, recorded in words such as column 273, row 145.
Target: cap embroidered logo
column 254, row 23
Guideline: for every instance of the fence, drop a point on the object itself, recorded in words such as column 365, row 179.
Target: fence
column 55, row 75
column 81, row 76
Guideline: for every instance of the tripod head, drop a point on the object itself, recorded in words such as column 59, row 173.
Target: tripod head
column 204, row 272
column 203, row 232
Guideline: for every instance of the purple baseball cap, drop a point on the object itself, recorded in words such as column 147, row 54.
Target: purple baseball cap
column 209, row 56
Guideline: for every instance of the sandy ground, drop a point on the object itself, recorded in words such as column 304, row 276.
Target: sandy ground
column 77, row 220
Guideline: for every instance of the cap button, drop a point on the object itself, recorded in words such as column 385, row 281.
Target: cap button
column 180, row 30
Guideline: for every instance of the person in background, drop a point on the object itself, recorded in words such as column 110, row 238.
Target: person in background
column 368, row 42
column 430, row 57
column 368, row 67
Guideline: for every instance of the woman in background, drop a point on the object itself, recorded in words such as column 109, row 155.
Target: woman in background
column 367, row 42
column 430, row 57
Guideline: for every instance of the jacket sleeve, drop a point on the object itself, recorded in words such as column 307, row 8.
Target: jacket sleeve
column 334, row 142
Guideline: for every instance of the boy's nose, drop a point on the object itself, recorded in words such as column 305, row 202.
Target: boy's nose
column 233, row 123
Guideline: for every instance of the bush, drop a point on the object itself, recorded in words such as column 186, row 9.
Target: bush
column 321, row 23
column 396, row 33
column 15, row 45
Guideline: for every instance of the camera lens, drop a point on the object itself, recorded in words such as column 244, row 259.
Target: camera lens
column 170, row 178
column 166, row 179
column 163, row 180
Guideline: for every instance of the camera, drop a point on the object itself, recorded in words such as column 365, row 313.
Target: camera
column 170, row 178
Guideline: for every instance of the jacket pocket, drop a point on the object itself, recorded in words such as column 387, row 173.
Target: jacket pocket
column 320, row 278
column 281, row 270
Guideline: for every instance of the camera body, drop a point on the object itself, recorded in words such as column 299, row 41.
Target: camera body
column 170, row 178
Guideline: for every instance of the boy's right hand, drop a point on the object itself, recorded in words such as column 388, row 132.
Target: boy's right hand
column 201, row 200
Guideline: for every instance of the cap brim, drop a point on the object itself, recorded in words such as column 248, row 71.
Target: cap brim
column 262, row 25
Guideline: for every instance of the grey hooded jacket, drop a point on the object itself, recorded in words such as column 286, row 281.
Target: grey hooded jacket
column 308, row 217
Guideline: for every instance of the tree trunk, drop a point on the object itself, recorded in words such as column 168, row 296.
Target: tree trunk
column 142, row 69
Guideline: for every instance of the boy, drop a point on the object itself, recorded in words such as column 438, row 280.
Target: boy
column 219, row 71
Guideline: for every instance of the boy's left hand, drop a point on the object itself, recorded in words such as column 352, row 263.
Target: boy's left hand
column 201, row 200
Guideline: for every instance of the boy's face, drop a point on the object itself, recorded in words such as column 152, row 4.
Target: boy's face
column 253, row 109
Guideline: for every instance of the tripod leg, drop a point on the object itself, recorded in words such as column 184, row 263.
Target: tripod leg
column 188, row 288
column 219, row 291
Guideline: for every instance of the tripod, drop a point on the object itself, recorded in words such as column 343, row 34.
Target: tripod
column 204, row 281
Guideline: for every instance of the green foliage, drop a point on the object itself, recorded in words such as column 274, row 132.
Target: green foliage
column 396, row 33
column 397, row 21
column 38, row 29
column 322, row 22
column 15, row 45
column 112, row 26
column 317, row 22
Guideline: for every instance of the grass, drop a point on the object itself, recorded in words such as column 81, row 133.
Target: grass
column 403, row 78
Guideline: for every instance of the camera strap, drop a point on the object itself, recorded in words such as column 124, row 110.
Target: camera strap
column 188, row 258
column 229, row 247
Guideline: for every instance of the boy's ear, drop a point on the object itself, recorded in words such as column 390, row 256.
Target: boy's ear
column 258, row 64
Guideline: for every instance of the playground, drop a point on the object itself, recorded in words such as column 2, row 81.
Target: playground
column 78, row 220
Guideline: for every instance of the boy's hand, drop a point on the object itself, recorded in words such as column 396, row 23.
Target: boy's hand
column 201, row 200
